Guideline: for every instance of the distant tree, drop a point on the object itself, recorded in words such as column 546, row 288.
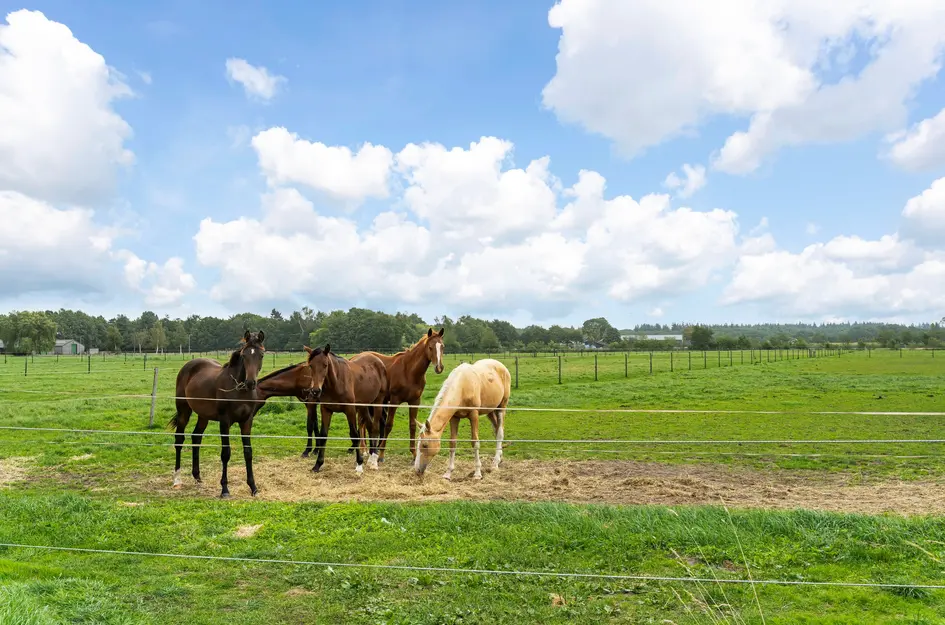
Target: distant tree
column 27, row 331
column 113, row 339
column 596, row 331
column 701, row 337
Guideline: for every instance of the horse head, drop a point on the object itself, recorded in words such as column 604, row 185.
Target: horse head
column 249, row 359
column 319, row 362
column 428, row 446
column 434, row 348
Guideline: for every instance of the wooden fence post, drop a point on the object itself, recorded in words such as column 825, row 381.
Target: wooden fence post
column 651, row 363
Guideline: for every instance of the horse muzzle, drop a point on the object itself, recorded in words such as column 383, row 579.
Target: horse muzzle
column 251, row 385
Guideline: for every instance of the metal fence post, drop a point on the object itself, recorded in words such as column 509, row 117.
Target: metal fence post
column 559, row 369
column 651, row 363
column 145, row 367
column 516, row 372
column 671, row 368
column 626, row 364
column 153, row 397
column 595, row 367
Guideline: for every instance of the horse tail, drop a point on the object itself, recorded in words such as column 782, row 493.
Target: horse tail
column 174, row 420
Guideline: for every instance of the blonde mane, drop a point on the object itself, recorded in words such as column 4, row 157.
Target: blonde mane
column 444, row 390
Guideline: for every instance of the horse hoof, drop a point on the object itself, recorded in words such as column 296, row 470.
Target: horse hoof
column 178, row 486
column 359, row 469
column 350, row 450
column 316, row 469
column 305, row 454
column 224, row 495
column 447, row 477
column 380, row 460
column 477, row 477
column 255, row 492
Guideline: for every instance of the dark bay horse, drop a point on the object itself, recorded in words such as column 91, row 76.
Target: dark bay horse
column 224, row 393
column 337, row 384
column 407, row 372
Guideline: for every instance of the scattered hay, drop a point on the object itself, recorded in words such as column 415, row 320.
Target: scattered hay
column 247, row 531
column 557, row 600
column 298, row 592
column 13, row 470
column 596, row 481
column 82, row 457
column 131, row 504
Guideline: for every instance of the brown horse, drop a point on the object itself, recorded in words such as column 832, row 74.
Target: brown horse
column 224, row 393
column 407, row 372
column 338, row 384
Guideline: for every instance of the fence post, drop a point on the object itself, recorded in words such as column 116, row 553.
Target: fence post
column 516, row 372
column 719, row 353
column 595, row 367
column 559, row 369
column 626, row 364
column 90, row 363
column 153, row 398
column 651, row 363
column 26, row 363
column 690, row 360
column 729, row 358
column 705, row 362
column 145, row 367
column 671, row 361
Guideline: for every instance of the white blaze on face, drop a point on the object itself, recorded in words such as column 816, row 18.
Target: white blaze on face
column 439, row 355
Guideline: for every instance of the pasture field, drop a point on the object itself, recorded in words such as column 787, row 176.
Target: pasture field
column 843, row 511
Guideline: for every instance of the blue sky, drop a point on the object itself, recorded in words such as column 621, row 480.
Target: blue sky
column 179, row 195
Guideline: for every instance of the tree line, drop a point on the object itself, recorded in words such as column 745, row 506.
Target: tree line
column 358, row 329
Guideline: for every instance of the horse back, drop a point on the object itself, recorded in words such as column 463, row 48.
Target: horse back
column 369, row 375
column 495, row 383
column 197, row 382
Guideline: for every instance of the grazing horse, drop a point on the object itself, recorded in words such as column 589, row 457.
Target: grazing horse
column 469, row 390
column 224, row 393
column 407, row 372
column 339, row 384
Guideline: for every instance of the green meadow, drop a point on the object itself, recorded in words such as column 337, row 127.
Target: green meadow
column 747, row 412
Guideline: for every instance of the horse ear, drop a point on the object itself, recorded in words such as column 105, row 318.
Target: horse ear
column 429, row 332
column 442, row 330
column 262, row 336
column 246, row 336
column 327, row 348
column 307, row 349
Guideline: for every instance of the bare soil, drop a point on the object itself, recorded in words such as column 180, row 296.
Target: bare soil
column 608, row 482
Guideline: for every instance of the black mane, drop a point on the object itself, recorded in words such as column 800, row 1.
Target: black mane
column 277, row 372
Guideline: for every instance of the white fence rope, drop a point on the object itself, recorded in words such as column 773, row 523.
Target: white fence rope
column 470, row 571
column 510, row 408
column 565, row 441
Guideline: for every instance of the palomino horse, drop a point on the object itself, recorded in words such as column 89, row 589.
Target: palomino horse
column 407, row 372
column 469, row 390
column 224, row 393
column 338, row 385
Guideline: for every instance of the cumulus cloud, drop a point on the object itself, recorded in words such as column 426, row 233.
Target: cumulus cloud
column 284, row 158
column 693, row 179
column 775, row 63
column 256, row 80
column 922, row 146
column 61, row 140
column 60, row 146
column 894, row 275
column 470, row 229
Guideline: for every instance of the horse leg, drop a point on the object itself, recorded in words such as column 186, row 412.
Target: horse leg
column 387, row 426
column 196, row 438
column 454, row 432
column 413, row 410
column 355, row 438
column 309, row 427
column 368, row 423
column 497, row 417
column 180, row 422
column 224, row 454
column 474, row 429
column 322, row 439
column 246, row 429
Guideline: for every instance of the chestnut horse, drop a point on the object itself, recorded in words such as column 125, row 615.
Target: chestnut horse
column 407, row 372
column 469, row 390
column 339, row 384
column 224, row 393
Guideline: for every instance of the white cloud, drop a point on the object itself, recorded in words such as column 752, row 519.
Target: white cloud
column 284, row 158
column 922, row 147
column 145, row 77
column 163, row 285
column 257, row 81
column 656, row 312
column 849, row 276
column 693, row 180
column 59, row 147
column 60, row 138
column 811, row 228
column 773, row 62
column 924, row 215
column 477, row 232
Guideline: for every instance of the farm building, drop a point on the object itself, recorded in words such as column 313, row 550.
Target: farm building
column 68, row 346
column 2, row 348
column 653, row 337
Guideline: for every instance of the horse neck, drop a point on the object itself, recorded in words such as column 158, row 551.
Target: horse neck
column 416, row 361
column 444, row 406
column 337, row 370
column 284, row 383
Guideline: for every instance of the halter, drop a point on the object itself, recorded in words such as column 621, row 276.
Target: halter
column 239, row 386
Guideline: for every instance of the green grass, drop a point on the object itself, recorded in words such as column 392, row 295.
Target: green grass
column 54, row 506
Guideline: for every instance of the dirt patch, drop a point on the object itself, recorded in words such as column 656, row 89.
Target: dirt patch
column 13, row 470
column 610, row 481
column 82, row 457
column 247, row 531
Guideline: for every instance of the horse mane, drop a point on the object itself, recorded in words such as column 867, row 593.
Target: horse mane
column 277, row 372
column 234, row 360
column 318, row 351
column 440, row 396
